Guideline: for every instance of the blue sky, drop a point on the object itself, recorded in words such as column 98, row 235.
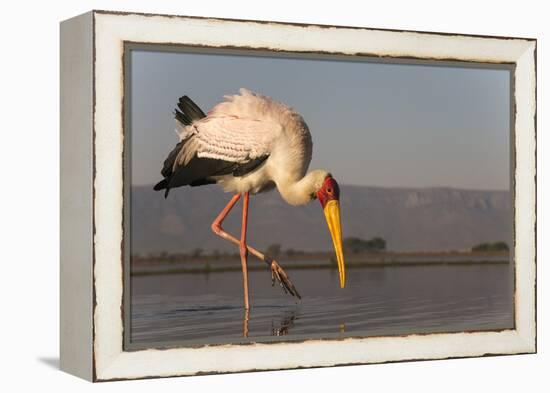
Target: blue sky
column 392, row 125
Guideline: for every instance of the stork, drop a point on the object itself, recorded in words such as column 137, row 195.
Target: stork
column 249, row 144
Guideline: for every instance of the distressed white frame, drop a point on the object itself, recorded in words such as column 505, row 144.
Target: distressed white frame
column 111, row 30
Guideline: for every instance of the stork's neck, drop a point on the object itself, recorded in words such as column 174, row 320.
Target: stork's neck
column 296, row 191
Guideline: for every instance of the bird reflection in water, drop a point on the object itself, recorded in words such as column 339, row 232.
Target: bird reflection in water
column 284, row 326
column 246, row 318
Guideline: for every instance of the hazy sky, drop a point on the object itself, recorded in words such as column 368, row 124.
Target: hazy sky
column 372, row 124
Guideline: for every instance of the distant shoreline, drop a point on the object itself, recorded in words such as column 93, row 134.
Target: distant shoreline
column 322, row 260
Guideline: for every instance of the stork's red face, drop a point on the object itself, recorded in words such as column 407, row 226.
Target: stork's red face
column 329, row 196
column 329, row 191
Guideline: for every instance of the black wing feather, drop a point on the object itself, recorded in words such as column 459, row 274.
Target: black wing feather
column 171, row 159
column 250, row 166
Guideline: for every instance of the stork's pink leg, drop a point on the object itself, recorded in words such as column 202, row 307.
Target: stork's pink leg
column 244, row 251
column 217, row 224
column 277, row 271
column 217, row 228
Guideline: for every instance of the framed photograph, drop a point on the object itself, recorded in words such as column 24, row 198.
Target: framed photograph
column 330, row 196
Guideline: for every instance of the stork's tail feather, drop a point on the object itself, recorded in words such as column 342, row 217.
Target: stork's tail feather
column 187, row 111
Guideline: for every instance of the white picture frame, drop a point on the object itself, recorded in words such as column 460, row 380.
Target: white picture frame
column 92, row 193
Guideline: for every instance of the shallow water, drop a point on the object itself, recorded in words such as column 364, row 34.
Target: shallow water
column 195, row 308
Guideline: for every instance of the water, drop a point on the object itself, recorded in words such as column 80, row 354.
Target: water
column 192, row 309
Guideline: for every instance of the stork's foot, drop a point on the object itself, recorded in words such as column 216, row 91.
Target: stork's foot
column 278, row 273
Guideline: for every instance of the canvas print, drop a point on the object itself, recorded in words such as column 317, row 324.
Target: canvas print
column 288, row 197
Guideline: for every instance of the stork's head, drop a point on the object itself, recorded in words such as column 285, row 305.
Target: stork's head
column 329, row 196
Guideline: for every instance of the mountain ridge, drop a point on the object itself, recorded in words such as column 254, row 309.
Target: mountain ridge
column 409, row 219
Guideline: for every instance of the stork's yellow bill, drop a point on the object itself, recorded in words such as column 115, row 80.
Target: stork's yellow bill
column 329, row 195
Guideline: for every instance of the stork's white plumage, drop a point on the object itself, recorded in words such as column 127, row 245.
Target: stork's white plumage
column 250, row 143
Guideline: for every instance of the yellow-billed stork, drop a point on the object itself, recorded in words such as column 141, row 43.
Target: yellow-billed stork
column 250, row 143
